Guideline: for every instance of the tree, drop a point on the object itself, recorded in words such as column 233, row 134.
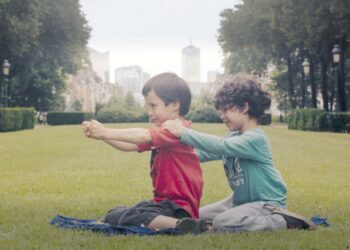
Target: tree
column 283, row 33
column 44, row 40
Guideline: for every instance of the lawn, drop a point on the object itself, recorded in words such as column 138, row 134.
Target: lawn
column 53, row 170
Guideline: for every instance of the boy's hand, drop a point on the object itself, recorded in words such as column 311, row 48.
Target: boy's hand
column 173, row 126
column 86, row 128
column 93, row 129
column 96, row 130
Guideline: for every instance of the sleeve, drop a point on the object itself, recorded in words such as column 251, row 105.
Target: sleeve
column 204, row 156
column 144, row 147
column 162, row 137
column 245, row 146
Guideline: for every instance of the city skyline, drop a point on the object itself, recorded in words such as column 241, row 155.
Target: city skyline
column 153, row 34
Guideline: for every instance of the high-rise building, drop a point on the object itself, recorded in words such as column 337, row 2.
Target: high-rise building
column 191, row 64
column 131, row 78
column 100, row 63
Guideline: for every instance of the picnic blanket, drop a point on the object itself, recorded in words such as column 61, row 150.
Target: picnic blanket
column 98, row 226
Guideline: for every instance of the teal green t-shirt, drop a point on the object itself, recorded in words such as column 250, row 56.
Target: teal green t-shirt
column 247, row 163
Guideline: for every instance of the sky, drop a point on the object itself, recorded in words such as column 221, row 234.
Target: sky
column 151, row 33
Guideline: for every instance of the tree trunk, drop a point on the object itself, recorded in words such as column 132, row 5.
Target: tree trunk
column 332, row 89
column 313, row 86
column 291, row 85
column 341, row 78
column 303, row 89
column 324, row 89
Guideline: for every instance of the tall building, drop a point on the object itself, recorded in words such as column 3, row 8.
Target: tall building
column 100, row 63
column 131, row 78
column 191, row 64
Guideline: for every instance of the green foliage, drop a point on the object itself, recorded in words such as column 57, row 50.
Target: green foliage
column 77, row 106
column 43, row 40
column 207, row 114
column 13, row 119
column 203, row 110
column 256, row 34
column 121, row 109
column 121, row 116
column 54, row 170
column 265, row 119
column 61, row 118
column 319, row 120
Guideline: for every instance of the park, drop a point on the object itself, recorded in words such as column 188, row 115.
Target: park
column 54, row 76
column 56, row 170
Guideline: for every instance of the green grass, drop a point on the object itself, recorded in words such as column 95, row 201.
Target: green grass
column 57, row 170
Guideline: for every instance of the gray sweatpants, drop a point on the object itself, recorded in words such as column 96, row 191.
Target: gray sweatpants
column 254, row 216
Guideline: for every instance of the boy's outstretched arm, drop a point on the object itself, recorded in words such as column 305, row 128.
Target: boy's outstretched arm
column 96, row 130
column 122, row 146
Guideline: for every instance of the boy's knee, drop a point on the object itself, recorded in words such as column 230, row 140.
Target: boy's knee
column 114, row 216
column 222, row 222
column 219, row 222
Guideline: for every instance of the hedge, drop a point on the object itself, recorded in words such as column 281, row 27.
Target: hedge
column 319, row 120
column 265, row 119
column 121, row 116
column 13, row 119
column 204, row 114
column 62, row 118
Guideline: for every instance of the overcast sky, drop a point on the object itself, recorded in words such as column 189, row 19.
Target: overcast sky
column 151, row 33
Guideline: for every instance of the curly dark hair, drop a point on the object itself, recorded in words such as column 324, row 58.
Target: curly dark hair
column 240, row 89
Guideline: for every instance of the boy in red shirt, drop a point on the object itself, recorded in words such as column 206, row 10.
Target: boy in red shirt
column 175, row 169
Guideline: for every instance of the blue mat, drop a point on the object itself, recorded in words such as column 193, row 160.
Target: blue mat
column 98, row 226
column 320, row 221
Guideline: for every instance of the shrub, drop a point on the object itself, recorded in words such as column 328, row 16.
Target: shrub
column 266, row 119
column 13, row 119
column 118, row 115
column 319, row 120
column 62, row 118
column 205, row 114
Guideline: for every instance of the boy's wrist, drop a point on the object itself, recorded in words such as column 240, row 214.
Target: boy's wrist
column 105, row 134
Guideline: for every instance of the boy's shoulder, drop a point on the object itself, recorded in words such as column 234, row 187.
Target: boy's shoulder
column 253, row 134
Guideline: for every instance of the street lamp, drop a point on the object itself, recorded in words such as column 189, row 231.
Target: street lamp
column 336, row 52
column 5, row 71
column 306, row 69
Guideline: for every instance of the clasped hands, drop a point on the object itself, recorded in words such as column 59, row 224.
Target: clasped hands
column 93, row 129
column 96, row 130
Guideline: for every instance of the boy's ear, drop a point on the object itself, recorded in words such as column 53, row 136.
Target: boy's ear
column 176, row 105
column 245, row 108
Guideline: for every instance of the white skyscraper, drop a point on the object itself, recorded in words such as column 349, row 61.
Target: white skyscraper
column 191, row 64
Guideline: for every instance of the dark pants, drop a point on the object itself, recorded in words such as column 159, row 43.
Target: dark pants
column 143, row 213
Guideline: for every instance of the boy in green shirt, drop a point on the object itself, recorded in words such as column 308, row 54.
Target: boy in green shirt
column 259, row 198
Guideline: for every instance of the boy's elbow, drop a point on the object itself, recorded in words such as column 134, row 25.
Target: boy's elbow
column 145, row 137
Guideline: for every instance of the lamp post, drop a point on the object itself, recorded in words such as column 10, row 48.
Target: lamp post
column 5, row 71
column 306, row 69
column 336, row 52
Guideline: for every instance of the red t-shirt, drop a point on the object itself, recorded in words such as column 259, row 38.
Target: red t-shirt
column 175, row 170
